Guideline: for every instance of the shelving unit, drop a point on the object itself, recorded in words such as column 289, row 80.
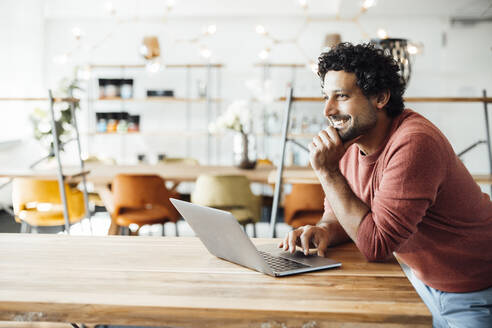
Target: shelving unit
column 265, row 75
column 187, row 100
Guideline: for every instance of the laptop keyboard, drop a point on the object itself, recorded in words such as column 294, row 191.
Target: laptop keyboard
column 279, row 264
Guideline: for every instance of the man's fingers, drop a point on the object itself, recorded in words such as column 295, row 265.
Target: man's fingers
column 333, row 135
column 292, row 240
column 305, row 239
column 317, row 141
column 322, row 246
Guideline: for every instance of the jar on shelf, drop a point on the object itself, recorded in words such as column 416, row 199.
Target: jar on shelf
column 101, row 122
column 102, row 88
column 122, row 126
column 112, row 88
column 126, row 88
column 134, row 123
column 112, row 123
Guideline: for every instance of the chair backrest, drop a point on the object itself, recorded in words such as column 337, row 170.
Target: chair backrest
column 303, row 197
column 222, row 191
column 29, row 190
column 180, row 160
column 139, row 191
column 100, row 160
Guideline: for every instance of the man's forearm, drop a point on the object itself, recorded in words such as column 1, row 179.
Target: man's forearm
column 348, row 209
column 330, row 222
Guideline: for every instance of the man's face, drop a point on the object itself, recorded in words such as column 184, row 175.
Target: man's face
column 346, row 107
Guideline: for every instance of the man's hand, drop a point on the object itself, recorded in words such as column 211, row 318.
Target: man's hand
column 307, row 236
column 327, row 149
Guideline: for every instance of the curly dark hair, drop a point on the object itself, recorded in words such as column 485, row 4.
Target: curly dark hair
column 375, row 71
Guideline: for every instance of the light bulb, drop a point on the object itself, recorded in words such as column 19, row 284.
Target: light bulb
column 110, row 8
column 382, row 34
column 260, row 29
column 205, row 53
column 170, row 4
column 77, row 33
column 264, row 54
column 412, row 50
column 211, row 29
column 303, row 4
column 144, row 51
column 366, row 4
column 153, row 66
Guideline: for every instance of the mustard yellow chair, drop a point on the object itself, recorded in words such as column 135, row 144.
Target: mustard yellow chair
column 231, row 193
column 142, row 199
column 37, row 203
column 304, row 205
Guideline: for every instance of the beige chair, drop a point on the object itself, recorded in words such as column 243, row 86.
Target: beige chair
column 231, row 193
column 180, row 160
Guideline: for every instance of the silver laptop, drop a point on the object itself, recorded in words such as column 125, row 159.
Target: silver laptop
column 223, row 237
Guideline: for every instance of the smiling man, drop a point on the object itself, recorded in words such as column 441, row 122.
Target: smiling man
column 393, row 184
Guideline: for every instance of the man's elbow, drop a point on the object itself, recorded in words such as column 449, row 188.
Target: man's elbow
column 377, row 254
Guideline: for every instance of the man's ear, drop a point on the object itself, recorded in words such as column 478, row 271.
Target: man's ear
column 382, row 99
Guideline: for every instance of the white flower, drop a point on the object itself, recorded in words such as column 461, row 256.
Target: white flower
column 212, row 128
column 235, row 117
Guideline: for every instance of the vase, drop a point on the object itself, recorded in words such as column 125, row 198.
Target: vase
column 244, row 147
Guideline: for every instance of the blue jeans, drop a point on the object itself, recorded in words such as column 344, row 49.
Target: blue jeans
column 473, row 309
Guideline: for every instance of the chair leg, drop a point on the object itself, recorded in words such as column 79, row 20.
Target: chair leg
column 163, row 230
column 176, row 226
column 23, row 228
column 254, row 230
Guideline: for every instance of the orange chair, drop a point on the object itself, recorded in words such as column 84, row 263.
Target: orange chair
column 141, row 200
column 37, row 203
column 304, row 205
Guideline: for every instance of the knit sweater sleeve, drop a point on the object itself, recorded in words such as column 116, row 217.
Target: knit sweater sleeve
column 413, row 170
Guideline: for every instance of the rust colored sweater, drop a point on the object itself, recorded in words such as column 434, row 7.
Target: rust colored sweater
column 425, row 206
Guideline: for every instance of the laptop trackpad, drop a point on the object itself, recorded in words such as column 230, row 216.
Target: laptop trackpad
column 312, row 259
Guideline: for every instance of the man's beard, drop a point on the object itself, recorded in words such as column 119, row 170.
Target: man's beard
column 358, row 126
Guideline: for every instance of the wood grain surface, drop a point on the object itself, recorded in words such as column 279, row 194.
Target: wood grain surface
column 168, row 281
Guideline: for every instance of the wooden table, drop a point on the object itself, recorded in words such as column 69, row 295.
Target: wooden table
column 100, row 173
column 168, row 281
column 104, row 174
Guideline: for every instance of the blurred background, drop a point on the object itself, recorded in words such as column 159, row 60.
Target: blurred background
column 155, row 76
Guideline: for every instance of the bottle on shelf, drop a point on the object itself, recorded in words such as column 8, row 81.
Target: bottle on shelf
column 101, row 122
column 122, row 126
column 112, row 123
column 126, row 88
column 134, row 123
